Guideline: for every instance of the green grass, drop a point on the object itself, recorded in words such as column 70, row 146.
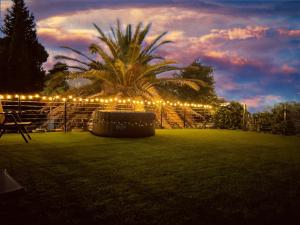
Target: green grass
column 177, row 177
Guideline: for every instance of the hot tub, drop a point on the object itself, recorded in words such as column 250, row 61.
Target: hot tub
column 123, row 124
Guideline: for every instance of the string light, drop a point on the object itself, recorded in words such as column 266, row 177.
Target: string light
column 108, row 100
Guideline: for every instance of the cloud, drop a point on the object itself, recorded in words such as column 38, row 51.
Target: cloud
column 289, row 33
column 47, row 8
column 5, row 4
column 61, row 35
column 236, row 33
column 225, row 83
column 54, row 39
column 285, row 69
column 262, row 101
column 229, row 58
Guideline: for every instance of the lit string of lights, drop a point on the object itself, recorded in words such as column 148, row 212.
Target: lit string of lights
column 70, row 98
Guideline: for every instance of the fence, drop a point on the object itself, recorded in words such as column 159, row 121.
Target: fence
column 64, row 115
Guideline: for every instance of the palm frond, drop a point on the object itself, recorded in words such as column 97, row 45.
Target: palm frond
column 181, row 82
column 70, row 59
column 157, row 69
column 78, row 52
column 153, row 43
column 143, row 34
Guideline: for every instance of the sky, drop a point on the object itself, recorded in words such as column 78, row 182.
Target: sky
column 253, row 46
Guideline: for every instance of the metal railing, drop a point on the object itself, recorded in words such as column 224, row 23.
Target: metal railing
column 58, row 115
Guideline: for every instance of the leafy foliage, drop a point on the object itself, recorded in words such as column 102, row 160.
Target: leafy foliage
column 283, row 118
column 56, row 80
column 21, row 55
column 230, row 116
column 129, row 67
column 262, row 120
column 204, row 75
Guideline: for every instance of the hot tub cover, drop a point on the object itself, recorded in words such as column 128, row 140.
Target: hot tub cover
column 123, row 123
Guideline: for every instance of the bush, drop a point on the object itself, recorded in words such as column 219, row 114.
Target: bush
column 283, row 118
column 263, row 121
column 229, row 117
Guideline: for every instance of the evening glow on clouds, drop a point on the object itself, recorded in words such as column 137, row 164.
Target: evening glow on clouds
column 253, row 46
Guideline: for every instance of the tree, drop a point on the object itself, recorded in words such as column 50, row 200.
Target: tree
column 56, row 79
column 282, row 118
column 130, row 67
column 202, row 73
column 21, row 54
column 285, row 118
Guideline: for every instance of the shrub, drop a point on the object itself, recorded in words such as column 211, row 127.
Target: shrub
column 229, row 117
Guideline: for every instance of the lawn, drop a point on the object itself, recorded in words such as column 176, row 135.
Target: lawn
column 177, row 177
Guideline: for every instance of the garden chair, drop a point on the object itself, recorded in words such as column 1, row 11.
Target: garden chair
column 15, row 123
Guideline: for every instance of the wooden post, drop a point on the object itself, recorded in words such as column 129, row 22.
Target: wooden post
column 244, row 116
column 161, row 115
column 184, row 116
column 284, row 119
column 65, row 116
column 19, row 105
column 284, row 113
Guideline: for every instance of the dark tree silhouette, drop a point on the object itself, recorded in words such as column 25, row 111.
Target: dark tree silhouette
column 56, row 79
column 202, row 73
column 21, row 55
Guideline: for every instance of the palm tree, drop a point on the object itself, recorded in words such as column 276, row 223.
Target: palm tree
column 128, row 66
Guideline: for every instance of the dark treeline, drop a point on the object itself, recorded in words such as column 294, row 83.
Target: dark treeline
column 21, row 55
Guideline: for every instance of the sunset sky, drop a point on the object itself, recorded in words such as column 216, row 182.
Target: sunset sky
column 254, row 46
